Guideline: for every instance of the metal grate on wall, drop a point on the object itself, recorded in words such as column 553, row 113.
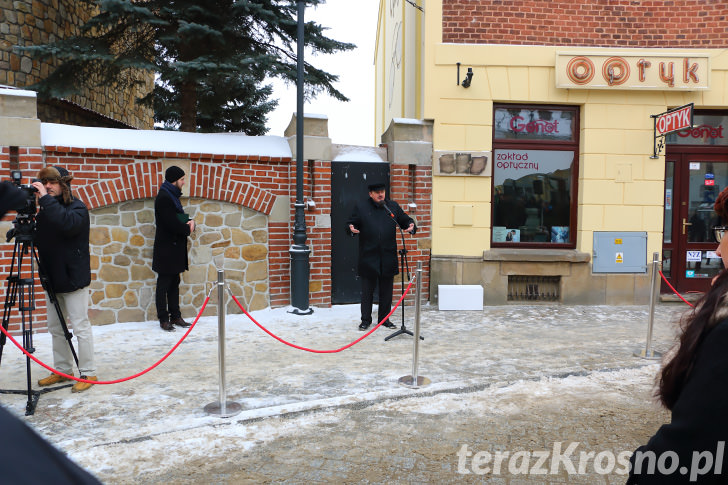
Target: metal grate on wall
column 534, row 288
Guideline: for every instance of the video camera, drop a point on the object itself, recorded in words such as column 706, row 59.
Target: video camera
column 29, row 205
column 24, row 224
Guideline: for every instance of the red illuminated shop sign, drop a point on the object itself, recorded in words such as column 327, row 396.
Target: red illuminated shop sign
column 709, row 129
column 520, row 125
column 534, row 123
column 703, row 132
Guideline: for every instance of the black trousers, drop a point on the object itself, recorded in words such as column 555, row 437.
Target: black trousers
column 367, row 296
column 167, row 297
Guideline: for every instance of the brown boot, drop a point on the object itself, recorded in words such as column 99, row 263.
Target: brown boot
column 82, row 386
column 52, row 379
column 179, row 322
column 166, row 325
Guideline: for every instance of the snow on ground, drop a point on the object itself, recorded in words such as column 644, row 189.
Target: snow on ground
column 502, row 362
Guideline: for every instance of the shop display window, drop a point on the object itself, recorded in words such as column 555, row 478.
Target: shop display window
column 535, row 161
column 707, row 130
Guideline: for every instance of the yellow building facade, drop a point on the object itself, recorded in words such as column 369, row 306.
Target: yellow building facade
column 621, row 208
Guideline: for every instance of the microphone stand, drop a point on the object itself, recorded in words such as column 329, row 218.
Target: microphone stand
column 404, row 267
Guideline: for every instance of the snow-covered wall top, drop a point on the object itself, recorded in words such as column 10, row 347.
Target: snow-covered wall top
column 163, row 141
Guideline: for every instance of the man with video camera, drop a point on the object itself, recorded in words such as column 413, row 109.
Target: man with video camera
column 62, row 239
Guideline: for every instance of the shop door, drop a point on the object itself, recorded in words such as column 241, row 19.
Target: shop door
column 692, row 183
column 349, row 182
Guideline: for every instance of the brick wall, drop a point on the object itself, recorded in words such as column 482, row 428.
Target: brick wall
column 29, row 160
column 413, row 184
column 612, row 23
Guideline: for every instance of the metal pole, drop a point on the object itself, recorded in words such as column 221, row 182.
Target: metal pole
column 647, row 352
column 300, row 267
column 221, row 336
column 223, row 407
column 415, row 381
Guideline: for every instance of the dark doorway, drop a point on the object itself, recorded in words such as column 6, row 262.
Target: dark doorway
column 349, row 182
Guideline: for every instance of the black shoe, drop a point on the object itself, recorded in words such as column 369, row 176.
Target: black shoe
column 166, row 325
column 363, row 326
column 389, row 324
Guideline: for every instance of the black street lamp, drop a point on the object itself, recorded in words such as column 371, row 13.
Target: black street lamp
column 299, row 251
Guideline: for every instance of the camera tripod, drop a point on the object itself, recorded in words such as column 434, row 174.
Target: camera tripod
column 404, row 267
column 21, row 292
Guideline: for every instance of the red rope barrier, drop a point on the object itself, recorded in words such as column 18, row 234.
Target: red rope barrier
column 116, row 381
column 325, row 351
column 674, row 290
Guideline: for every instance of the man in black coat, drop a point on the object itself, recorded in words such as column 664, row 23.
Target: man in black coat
column 170, row 247
column 375, row 220
column 62, row 239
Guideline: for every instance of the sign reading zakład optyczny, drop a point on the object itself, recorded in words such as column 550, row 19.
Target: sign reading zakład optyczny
column 651, row 71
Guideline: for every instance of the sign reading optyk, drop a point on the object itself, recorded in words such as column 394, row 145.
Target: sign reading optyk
column 632, row 69
column 676, row 119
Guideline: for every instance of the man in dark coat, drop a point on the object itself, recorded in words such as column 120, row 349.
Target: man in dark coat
column 62, row 239
column 375, row 220
column 170, row 247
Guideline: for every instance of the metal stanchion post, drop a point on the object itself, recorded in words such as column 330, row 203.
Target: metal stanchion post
column 648, row 352
column 416, row 381
column 223, row 407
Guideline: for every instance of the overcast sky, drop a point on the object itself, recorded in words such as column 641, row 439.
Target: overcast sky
column 352, row 122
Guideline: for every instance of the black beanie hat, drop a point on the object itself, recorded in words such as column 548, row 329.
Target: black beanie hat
column 173, row 174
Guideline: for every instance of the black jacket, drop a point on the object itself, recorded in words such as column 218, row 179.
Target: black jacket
column 62, row 241
column 699, row 419
column 29, row 458
column 170, row 238
column 378, row 236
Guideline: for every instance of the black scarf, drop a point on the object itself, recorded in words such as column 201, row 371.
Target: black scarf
column 176, row 193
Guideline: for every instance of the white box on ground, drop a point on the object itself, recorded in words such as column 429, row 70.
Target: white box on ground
column 460, row 297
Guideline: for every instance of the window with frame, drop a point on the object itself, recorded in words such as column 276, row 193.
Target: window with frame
column 535, row 174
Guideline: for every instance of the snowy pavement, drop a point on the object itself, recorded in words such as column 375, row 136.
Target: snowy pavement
column 507, row 378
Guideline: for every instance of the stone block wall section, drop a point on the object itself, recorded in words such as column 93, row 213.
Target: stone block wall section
column 618, row 23
column 35, row 22
column 122, row 239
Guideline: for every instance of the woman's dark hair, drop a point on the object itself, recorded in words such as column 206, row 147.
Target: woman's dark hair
column 721, row 205
column 695, row 326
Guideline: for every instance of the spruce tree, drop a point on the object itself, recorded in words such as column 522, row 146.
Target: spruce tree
column 210, row 58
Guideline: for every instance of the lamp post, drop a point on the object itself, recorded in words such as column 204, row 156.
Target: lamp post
column 299, row 251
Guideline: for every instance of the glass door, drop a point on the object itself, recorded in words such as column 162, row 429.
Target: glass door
column 692, row 183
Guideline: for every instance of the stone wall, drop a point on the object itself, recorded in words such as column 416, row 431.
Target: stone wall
column 122, row 240
column 35, row 22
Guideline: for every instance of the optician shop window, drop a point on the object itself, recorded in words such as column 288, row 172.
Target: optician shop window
column 535, row 173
